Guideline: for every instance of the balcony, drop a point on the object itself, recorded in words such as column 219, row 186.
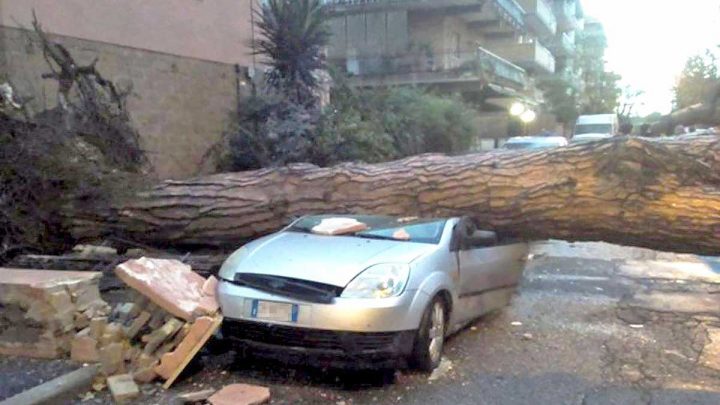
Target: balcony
column 506, row 14
column 566, row 12
column 337, row 7
column 531, row 56
column 539, row 17
column 460, row 69
column 564, row 44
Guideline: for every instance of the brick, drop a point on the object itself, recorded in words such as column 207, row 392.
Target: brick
column 123, row 388
column 137, row 324
column 240, row 394
column 97, row 326
column 84, row 348
column 45, row 318
column 113, row 333
column 158, row 317
column 145, row 360
column 86, row 298
column 81, row 320
column 174, row 342
column 158, row 336
column 145, row 375
column 112, row 359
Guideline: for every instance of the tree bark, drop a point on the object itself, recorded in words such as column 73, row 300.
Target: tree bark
column 657, row 194
column 705, row 113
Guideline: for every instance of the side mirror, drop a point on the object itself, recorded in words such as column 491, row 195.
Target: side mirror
column 482, row 239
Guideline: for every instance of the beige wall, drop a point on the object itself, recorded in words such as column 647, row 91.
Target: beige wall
column 216, row 30
column 180, row 105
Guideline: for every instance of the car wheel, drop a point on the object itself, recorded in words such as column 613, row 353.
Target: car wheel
column 430, row 338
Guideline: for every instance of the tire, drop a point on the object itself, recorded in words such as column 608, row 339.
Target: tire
column 430, row 338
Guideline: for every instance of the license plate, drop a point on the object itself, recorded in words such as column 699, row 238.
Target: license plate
column 274, row 311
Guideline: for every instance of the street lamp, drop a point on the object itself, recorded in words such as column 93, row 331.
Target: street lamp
column 528, row 116
column 517, row 109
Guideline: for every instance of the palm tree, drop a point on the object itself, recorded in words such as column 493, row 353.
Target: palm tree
column 292, row 35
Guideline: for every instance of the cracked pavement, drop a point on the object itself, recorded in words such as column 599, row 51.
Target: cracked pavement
column 591, row 324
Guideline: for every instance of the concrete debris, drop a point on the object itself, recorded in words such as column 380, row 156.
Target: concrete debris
column 94, row 251
column 123, row 388
column 442, row 370
column 84, row 347
column 46, row 309
column 170, row 284
column 192, row 397
column 170, row 316
column 240, row 394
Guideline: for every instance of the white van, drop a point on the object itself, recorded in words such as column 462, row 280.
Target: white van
column 595, row 127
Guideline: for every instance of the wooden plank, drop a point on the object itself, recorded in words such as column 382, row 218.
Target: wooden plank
column 215, row 325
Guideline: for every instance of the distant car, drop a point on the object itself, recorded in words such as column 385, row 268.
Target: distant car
column 585, row 138
column 378, row 297
column 535, row 142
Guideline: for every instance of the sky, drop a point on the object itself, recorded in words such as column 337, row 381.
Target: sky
column 650, row 40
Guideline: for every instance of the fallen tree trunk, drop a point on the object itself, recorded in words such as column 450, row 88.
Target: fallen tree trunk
column 705, row 113
column 657, row 194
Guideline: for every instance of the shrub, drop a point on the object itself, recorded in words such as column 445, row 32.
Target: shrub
column 373, row 125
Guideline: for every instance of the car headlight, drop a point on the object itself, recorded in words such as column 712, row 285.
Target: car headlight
column 379, row 281
column 227, row 270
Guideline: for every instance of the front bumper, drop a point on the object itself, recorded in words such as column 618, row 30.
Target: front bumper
column 326, row 348
column 343, row 314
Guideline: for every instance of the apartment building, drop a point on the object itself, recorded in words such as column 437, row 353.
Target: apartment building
column 185, row 60
column 493, row 52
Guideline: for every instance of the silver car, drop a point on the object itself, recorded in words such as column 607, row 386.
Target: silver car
column 535, row 142
column 377, row 297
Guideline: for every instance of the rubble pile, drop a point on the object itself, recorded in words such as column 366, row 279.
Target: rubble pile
column 169, row 316
column 41, row 311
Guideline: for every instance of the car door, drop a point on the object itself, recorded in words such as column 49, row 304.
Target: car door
column 489, row 273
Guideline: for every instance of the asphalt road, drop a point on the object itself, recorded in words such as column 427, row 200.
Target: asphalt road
column 591, row 324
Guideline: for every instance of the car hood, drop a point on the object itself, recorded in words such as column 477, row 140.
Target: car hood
column 334, row 260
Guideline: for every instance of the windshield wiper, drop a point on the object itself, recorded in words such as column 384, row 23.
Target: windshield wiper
column 379, row 237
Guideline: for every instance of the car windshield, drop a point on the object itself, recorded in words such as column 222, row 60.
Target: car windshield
column 593, row 129
column 410, row 229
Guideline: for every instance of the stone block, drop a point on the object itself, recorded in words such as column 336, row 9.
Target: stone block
column 158, row 336
column 145, row 375
column 84, row 348
column 113, row 333
column 123, row 388
column 170, row 284
column 137, row 324
column 112, row 359
column 97, row 326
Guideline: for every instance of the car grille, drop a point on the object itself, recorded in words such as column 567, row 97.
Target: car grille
column 278, row 335
column 289, row 287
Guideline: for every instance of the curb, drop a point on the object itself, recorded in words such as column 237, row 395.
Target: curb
column 61, row 388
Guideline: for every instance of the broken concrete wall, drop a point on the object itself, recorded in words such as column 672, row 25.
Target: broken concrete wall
column 41, row 311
